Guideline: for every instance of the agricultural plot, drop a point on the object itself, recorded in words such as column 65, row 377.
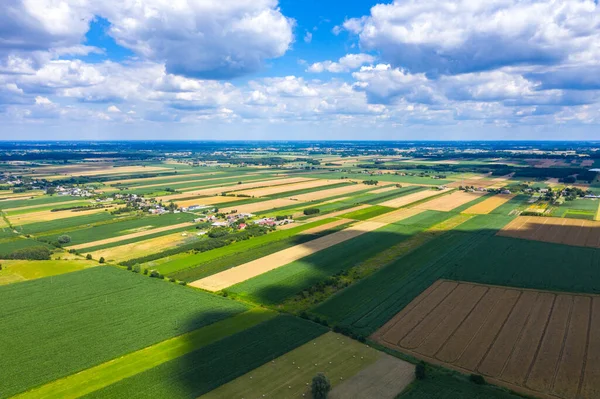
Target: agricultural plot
column 48, row 216
column 267, row 191
column 97, row 170
column 113, row 371
column 63, row 225
column 579, row 208
column 284, row 282
column 146, row 181
column 452, row 201
column 9, row 245
column 22, row 270
column 80, row 310
column 410, row 198
column 203, row 370
column 536, row 342
column 31, row 203
column 489, row 205
column 255, row 207
column 385, row 177
column 512, row 206
column 367, row 213
column 340, row 191
column 142, row 248
column 577, row 232
column 354, row 370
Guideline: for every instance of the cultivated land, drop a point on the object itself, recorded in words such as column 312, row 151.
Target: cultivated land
column 489, row 204
column 451, row 201
column 410, row 198
column 536, row 342
column 577, row 232
column 95, row 301
column 353, row 369
column 378, row 248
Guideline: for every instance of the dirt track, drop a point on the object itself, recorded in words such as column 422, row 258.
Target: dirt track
column 536, row 342
column 577, row 232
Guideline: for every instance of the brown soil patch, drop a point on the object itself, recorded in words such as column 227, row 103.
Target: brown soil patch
column 410, row 198
column 384, row 379
column 485, row 207
column 540, row 343
column 266, row 191
column 449, row 202
column 577, row 232
column 130, row 236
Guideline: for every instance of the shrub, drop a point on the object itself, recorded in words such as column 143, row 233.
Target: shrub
column 154, row 274
column 129, row 267
column 136, row 268
column 320, row 386
column 145, row 271
column 31, row 253
column 311, row 211
column 101, row 260
column 172, row 280
column 420, row 371
column 477, row 379
column 88, row 257
column 182, row 283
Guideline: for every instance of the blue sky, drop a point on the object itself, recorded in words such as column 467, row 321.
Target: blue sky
column 263, row 69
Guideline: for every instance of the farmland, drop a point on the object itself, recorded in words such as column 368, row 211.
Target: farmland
column 531, row 341
column 237, row 270
column 94, row 300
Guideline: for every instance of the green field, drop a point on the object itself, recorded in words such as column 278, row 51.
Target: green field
column 385, row 177
column 368, row 213
column 37, row 201
column 105, row 374
column 444, row 386
column 279, row 284
column 71, row 322
column 21, row 270
column 203, row 370
column 65, row 224
column 8, row 245
column 333, row 354
column 210, row 262
column 118, row 228
column 578, row 208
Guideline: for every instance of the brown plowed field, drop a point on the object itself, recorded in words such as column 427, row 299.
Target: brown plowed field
column 449, row 202
column 577, row 232
column 540, row 343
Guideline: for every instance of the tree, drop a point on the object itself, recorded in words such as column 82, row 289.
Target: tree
column 420, row 371
column 64, row 239
column 101, row 260
column 320, row 386
column 88, row 256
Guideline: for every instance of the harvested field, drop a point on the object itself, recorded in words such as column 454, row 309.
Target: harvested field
column 46, row 216
column 22, row 270
column 450, row 202
column 386, row 189
column 266, row 191
column 140, row 248
column 130, row 236
column 230, row 187
column 260, row 206
column 176, row 182
column 539, row 343
column 410, row 198
column 350, row 366
column 215, row 199
column 488, row 205
column 318, row 195
column 476, row 182
column 257, row 267
column 150, row 179
column 577, row 232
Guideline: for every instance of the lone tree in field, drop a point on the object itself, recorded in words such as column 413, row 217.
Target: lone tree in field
column 64, row 239
column 320, row 386
column 88, row 257
column 101, row 260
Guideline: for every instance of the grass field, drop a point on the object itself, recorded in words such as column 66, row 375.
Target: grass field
column 287, row 376
column 64, row 225
column 86, row 307
column 201, row 371
column 578, row 208
column 21, row 270
column 367, row 213
column 105, row 374
column 37, row 201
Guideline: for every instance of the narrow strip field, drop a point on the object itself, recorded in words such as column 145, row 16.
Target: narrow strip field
column 490, row 204
column 105, row 374
column 535, row 342
column 255, row 268
column 266, row 191
column 21, row 270
column 46, row 216
column 142, row 248
column 451, row 201
column 86, row 307
column 353, row 369
column 205, row 369
column 410, row 198
column 319, row 195
column 579, row 232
